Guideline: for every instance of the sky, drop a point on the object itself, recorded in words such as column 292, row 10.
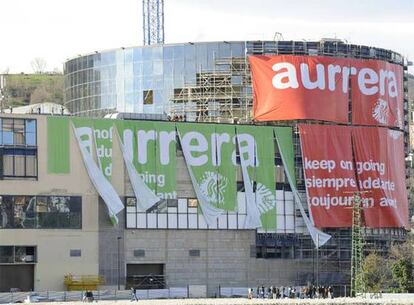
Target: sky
column 57, row 30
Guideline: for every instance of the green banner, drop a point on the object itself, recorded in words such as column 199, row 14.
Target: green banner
column 153, row 147
column 98, row 136
column 58, row 157
column 209, row 157
column 225, row 167
column 166, row 165
column 265, row 176
column 103, row 131
column 284, row 139
column 257, row 149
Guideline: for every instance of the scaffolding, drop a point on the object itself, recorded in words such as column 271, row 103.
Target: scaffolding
column 357, row 246
column 83, row 282
column 221, row 95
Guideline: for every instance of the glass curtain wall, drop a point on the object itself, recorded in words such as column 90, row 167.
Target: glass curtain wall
column 120, row 80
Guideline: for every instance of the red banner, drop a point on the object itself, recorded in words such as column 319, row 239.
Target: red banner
column 291, row 87
column 288, row 87
column 330, row 170
column 380, row 166
column 329, row 174
column 378, row 95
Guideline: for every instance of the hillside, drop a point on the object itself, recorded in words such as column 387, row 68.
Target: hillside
column 25, row 89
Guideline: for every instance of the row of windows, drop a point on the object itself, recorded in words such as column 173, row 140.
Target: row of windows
column 18, row 163
column 187, row 52
column 292, row 252
column 17, row 254
column 185, row 213
column 18, row 151
column 17, row 132
column 178, row 214
column 40, row 212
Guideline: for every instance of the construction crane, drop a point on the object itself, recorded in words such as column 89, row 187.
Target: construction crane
column 153, row 21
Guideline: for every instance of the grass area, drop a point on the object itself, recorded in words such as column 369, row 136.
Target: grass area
column 24, row 89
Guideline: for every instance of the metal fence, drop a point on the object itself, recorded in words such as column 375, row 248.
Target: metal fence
column 231, row 292
column 62, row 296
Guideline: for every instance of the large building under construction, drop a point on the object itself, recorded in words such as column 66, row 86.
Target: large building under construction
column 172, row 243
column 211, row 82
column 205, row 82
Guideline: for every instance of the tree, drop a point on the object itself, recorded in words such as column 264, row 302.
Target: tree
column 38, row 65
column 402, row 273
column 402, row 264
column 375, row 273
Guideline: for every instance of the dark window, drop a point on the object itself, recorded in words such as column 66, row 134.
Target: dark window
column 6, row 254
column 131, row 202
column 17, row 254
column 75, row 252
column 139, row 253
column 194, row 252
column 148, row 97
column 172, row 203
column 40, row 212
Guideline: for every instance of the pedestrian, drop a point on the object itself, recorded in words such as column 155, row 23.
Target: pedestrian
column 274, row 292
column 134, row 294
column 250, row 293
column 330, row 292
column 88, row 297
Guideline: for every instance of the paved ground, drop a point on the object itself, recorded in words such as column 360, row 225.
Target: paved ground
column 346, row 301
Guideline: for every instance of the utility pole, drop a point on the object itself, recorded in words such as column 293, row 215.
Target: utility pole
column 317, row 260
column 357, row 245
column 153, row 21
column 119, row 262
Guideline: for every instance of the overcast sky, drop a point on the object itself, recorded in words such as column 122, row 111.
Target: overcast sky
column 59, row 29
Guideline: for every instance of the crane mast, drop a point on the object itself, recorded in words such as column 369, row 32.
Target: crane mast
column 153, row 21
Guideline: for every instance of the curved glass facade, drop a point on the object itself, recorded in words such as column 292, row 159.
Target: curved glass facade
column 192, row 81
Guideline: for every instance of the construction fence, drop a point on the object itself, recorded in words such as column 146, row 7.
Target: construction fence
column 63, row 296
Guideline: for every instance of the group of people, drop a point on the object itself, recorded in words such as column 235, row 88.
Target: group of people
column 305, row 292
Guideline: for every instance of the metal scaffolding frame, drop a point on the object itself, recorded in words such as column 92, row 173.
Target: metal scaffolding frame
column 357, row 246
column 224, row 93
column 220, row 95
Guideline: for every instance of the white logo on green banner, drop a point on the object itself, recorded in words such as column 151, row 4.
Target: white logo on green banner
column 209, row 151
column 257, row 155
column 213, row 186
